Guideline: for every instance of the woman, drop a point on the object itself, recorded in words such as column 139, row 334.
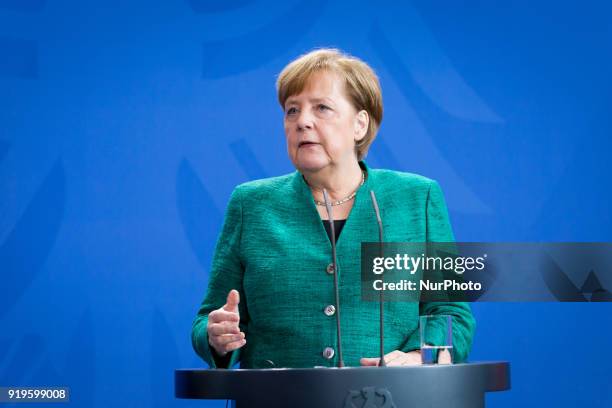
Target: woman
column 270, row 300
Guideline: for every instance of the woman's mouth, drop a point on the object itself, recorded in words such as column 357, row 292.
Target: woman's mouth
column 307, row 144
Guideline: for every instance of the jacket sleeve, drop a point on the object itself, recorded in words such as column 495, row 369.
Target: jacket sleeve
column 439, row 230
column 226, row 274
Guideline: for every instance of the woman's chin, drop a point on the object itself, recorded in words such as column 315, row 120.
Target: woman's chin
column 311, row 164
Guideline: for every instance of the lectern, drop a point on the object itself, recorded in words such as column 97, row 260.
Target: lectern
column 426, row 386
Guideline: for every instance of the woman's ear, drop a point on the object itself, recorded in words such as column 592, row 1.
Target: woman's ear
column 362, row 120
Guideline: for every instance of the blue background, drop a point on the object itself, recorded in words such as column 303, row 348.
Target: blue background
column 124, row 126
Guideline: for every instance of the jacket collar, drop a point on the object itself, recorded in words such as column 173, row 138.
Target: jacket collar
column 303, row 190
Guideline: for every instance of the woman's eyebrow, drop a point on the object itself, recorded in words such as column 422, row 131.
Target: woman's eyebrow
column 323, row 99
column 295, row 101
column 290, row 101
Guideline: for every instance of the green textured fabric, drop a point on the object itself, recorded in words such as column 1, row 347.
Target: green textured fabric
column 274, row 250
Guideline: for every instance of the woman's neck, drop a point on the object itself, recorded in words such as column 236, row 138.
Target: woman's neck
column 338, row 181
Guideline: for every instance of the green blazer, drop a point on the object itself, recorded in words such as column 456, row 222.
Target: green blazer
column 274, row 250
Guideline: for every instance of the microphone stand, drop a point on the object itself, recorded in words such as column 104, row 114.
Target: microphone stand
column 382, row 362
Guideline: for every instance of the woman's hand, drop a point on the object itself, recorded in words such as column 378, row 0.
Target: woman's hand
column 224, row 335
column 395, row 358
column 411, row 358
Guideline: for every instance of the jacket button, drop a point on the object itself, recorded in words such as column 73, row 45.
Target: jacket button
column 329, row 310
column 328, row 353
column 330, row 269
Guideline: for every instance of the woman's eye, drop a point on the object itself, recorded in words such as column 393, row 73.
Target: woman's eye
column 291, row 111
column 324, row 107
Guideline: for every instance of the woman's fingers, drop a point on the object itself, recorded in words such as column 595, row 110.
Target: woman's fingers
column 224, row 335
column 369, row 361
column 219, row 329
column 392, row 356
column 231, row 304
column 373, row 361
column 227, row 342
column 228, row 338
column 221, row 315
column 444, row 357
column 395, row 358
column 234, row 345
column 407, row 359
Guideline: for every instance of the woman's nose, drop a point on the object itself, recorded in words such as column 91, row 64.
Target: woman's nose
column 304, row 120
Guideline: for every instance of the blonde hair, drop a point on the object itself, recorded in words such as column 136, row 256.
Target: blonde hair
column 360, row 83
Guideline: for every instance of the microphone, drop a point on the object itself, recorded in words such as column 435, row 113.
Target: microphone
column 381, row 362
column 330, row 218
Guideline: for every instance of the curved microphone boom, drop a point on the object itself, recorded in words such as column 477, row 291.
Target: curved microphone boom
column 381, row 298
column 330, row 218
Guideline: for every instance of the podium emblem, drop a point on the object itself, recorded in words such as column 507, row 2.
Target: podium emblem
column 369, row 397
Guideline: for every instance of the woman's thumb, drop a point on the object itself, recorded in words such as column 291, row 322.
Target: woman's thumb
column 233, row 298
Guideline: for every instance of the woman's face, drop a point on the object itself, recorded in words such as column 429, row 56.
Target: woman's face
column 321, row 124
